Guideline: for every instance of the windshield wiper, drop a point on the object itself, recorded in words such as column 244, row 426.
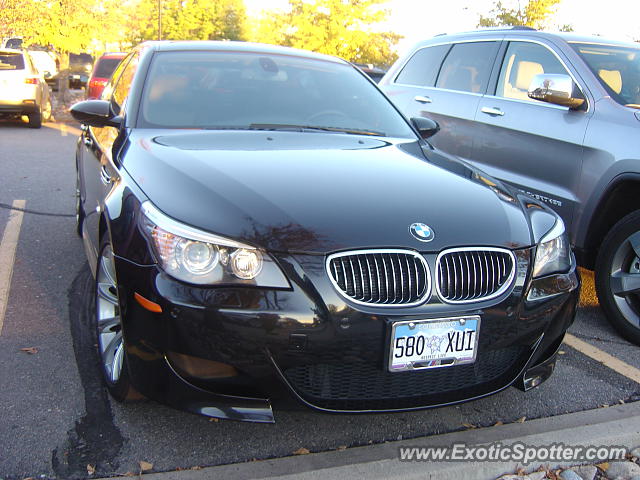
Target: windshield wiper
column 303, row 128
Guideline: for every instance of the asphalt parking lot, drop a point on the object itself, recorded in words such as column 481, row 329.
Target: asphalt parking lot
column 58, row 421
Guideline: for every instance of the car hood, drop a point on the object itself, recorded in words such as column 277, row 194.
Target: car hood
column 321, row 192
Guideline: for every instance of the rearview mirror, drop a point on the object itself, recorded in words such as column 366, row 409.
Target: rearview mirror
column 95, row 113
column 558, row 89
column 425, row 126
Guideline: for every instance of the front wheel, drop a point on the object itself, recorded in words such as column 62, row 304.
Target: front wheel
column 111, row 347
column 618, row 277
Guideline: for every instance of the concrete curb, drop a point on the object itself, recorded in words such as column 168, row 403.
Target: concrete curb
column 614, row 426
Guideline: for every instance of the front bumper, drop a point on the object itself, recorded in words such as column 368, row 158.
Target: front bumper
column 225, row 352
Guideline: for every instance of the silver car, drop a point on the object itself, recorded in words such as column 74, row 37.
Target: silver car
column 557, row 116
column 23, row 90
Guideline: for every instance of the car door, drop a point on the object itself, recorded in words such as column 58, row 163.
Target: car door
column 533, row 145
column 96, row 167
column 445, row 83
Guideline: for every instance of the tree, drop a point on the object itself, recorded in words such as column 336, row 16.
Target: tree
column 187, row 20
column 65, row 26
column 345, row 28
column 534, row 14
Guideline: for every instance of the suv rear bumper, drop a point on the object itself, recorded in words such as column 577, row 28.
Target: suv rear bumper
column 23, row 107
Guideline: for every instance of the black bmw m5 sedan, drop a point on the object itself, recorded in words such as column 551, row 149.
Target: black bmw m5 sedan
column 261, row 218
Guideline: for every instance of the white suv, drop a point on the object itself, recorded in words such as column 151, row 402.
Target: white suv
column 23, row 90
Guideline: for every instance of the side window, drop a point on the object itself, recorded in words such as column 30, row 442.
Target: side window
column 30, row 65
column 107, row 93
column 521, row 63
column 467, row 67
column 123, row 84
column 422, row 68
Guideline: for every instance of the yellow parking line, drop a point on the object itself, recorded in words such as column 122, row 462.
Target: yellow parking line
column 7, row 255
column 63, row 128
column 607, row 360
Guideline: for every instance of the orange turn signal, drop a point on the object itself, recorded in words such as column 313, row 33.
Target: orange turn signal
column 147, row 304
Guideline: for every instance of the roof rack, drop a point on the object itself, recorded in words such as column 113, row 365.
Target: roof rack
column 507, row 27
column 495, row 29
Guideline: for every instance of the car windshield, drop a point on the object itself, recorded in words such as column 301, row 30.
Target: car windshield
column 617, row 68
column 105, row 67
column 11, row 61
column 232, row 90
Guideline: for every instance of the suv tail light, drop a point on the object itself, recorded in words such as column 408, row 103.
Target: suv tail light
column 31, row 80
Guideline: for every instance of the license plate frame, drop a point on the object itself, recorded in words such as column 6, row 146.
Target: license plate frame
column 440, row 329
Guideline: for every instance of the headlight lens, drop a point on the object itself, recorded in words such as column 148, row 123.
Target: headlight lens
column 198, row 257
column 553, row 254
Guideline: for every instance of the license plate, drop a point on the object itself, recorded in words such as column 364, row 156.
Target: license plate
column 436, row 343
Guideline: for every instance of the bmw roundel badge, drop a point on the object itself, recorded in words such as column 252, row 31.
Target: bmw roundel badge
column 421, row 232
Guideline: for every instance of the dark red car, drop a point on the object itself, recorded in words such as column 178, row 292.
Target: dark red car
column 101, row 73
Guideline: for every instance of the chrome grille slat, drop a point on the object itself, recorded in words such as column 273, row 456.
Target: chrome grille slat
column 370, row 278
column 383, row 277
column 375, row 260
column 386, row 279
column 473, row 274
column 353, row 278
column 362, row 280
column 410, row 292
column 415, row 267
column 466, row 260
column 393, row 276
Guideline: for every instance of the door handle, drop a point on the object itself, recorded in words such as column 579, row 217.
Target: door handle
column 104, row 176
column 87, row 141
column 422, row 99
column 492, row 111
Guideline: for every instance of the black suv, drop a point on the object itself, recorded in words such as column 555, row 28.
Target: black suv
column 556, row 115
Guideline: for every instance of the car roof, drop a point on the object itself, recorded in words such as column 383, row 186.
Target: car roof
column 520, row 31
column 11, row 50
column 249, row 47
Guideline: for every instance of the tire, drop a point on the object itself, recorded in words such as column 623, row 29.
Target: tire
column 618, row 277
column 46, row 111
column 108, row 323
column 35, row 119
column 79, row 210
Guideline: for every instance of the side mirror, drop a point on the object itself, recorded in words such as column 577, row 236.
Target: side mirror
column 95, row 113
column 558, row 89
column 425, row 126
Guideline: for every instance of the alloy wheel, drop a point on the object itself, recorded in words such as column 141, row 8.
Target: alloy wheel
column 625, row 279
column 109, row 324
column 46, row 111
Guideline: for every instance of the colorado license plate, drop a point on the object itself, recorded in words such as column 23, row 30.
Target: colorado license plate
column 440, row 342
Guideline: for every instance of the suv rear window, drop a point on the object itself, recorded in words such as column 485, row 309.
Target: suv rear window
column 105, row 67
column 422, row 68
column 467, row 67
column 11, row 61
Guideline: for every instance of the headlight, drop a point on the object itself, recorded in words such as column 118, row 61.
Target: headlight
column 553, row 254
column 194, row 256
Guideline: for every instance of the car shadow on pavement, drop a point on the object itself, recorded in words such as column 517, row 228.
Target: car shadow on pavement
column 95, row 440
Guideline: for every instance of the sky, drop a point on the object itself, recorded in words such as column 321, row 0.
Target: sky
column 419, row 19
